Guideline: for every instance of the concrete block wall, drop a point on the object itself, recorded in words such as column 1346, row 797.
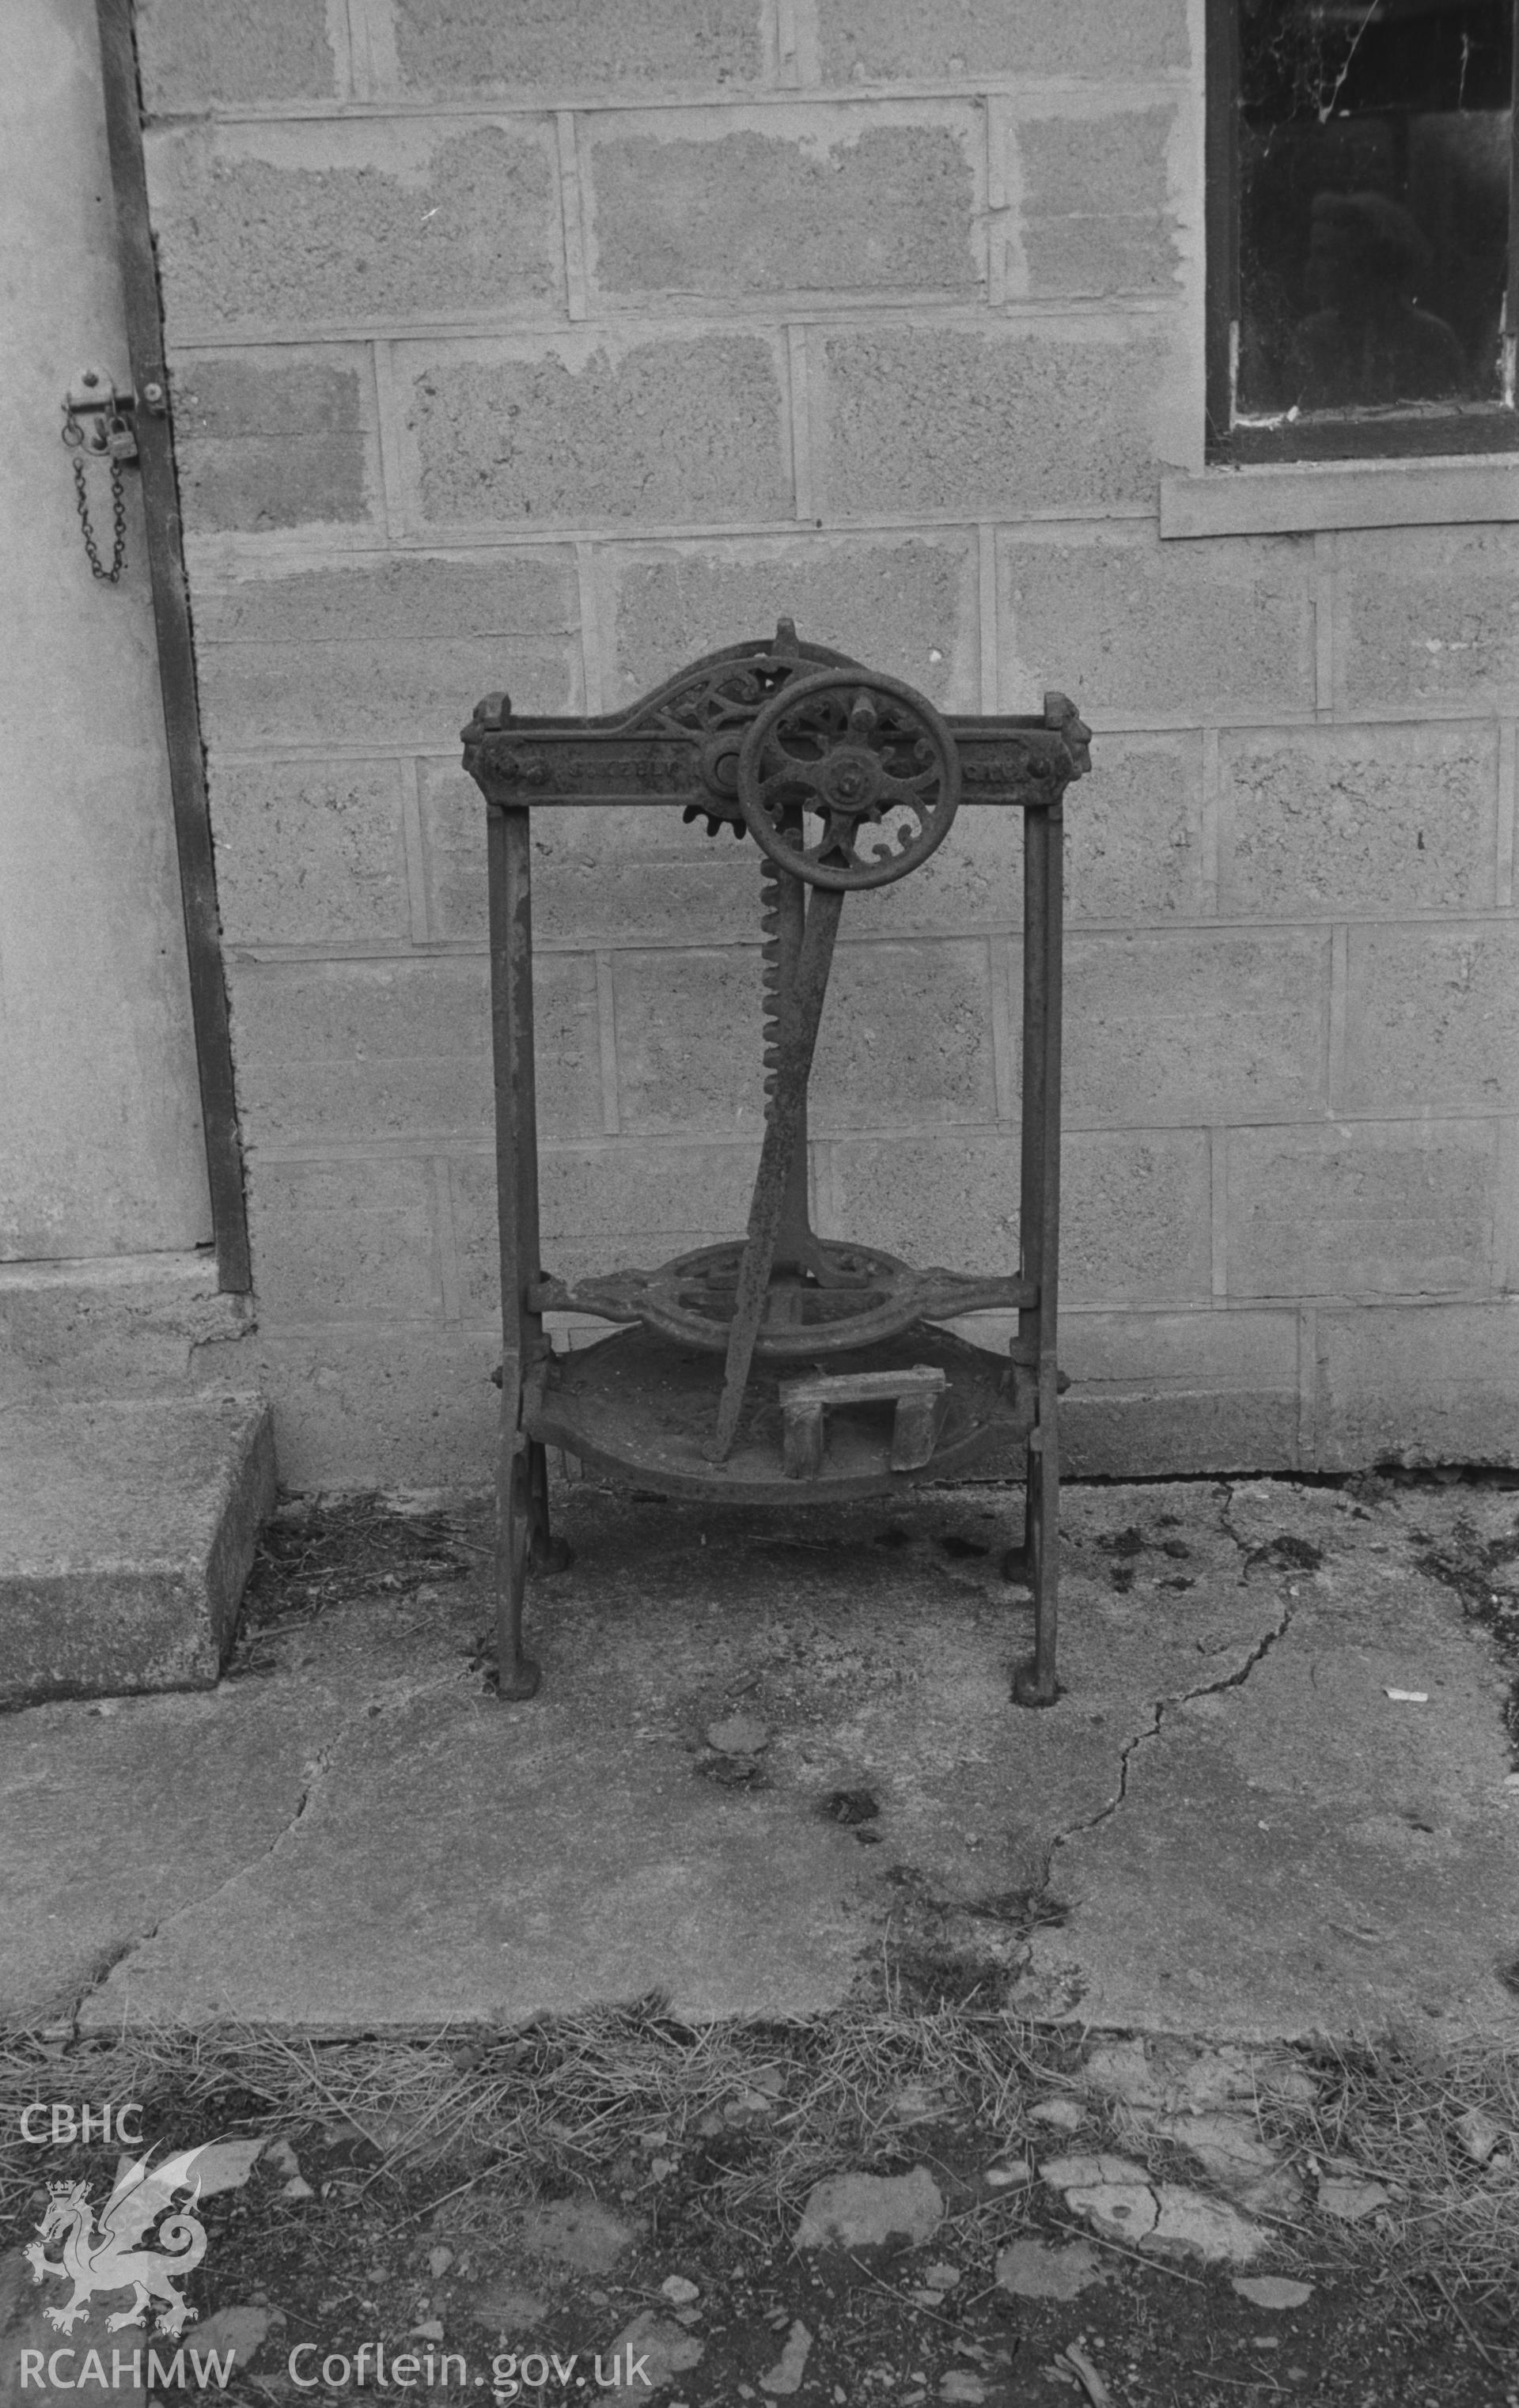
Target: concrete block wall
column 548, row 348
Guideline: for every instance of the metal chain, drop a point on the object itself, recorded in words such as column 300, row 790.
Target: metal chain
column 107, row 576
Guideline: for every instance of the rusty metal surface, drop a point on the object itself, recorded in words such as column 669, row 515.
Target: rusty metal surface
column 847, row 780
column 632, row 1404
column 681, row 743
column 864, row 757
column 797, row 1040
column 862, row 1295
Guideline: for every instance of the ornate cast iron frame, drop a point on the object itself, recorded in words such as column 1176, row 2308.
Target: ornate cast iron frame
column 761, row 736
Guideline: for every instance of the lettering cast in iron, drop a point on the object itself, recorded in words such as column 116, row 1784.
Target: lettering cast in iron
column 780, row 1364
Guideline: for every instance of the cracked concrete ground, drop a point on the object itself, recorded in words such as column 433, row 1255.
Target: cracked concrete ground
column 1250, row 1839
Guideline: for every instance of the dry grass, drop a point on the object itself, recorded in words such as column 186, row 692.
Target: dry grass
column 557, row 2105
column 591, row 2101
column 1390, row 2115
column 318, row 1552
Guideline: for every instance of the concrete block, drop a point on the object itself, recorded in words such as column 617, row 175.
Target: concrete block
column 948, row 1197
column 1361, row 1209
column 906, row 1036
column 388, row 652
column 383, row 1408
column 385, row 1049
column 1134, row 1210
column 593, row 426
column 122, row 1325
column 600, row 877
column 1177, row 1433
column 689, row 1042
column 337, row 1242
column 879, row 41
column 1195, row 1025
column 1131, row 625
column 276, row 438
column 310, row 852
column 731, row 203
column 989, row 420
column 975, row 881
column 346, row 221
column 128, row 1531
column 193, row 54
column 906, row 606
column 1429, row 615
column 1133, row 831
column 1343, row 820
column 1419, row 1383
column 1134, row 1217
column 1095, row 216
column 1231, row 1352
column 453, row 819
column 463, row 48
column 1432, row 1018
column 567, row 1033
column 621, row 1202
column 1173, row 1393
column 359, row 1048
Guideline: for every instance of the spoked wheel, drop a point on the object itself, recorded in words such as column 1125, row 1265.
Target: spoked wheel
column 847, row 780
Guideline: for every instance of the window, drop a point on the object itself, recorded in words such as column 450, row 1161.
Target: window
column 1363, row 203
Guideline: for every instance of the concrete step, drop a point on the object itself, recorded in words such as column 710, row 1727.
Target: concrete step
column 119, row 1325
column 126, row 1534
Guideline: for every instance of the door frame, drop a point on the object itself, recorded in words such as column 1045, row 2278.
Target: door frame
column 176, row 651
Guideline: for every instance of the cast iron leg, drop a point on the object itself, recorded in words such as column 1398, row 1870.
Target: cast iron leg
column 517, row 1675
column 1034, row 1683
column 546, row 1554
column 523, row 1542
column 1018, row 1562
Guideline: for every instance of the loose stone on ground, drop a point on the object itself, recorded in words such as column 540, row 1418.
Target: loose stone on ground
column 1045, row 2269
column 868, row 2211
column 1272, row 2291
column 785, row 2376
column 664, row 2349
column 1120, row 2199
column 577, row 2233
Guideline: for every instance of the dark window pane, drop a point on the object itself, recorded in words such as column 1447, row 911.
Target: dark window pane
column 1375, row 144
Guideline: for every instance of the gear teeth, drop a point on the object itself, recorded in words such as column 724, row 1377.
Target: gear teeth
column 713, row 821
column 771, row 977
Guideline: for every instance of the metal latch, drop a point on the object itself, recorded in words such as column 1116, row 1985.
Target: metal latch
column 97, row 418
column 98, row 424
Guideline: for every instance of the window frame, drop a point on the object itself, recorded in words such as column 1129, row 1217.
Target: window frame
column 1322, row 439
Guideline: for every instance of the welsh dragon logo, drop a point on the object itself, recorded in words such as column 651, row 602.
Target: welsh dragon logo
column 103, row 2258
